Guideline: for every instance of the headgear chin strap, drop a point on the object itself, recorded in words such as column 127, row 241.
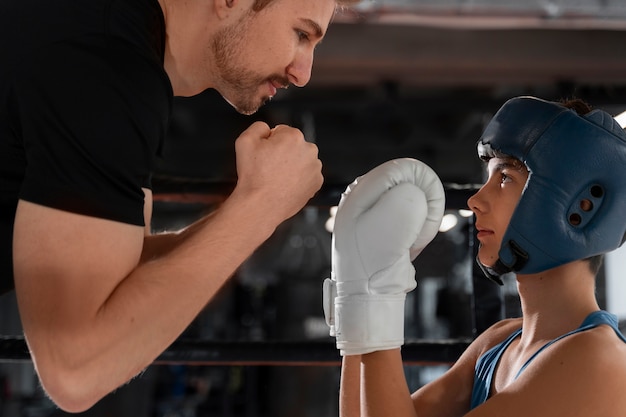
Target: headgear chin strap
column 574, row 203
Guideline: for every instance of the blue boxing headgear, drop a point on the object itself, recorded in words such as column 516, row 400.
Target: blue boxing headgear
column 574, row 203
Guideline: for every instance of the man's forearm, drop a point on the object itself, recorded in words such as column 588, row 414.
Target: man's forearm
column 185, row 271
column 159, row 245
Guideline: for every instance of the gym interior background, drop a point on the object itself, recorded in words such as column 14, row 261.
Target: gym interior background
column 393, row 78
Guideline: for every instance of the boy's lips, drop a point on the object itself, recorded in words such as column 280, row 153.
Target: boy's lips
column 483, row 232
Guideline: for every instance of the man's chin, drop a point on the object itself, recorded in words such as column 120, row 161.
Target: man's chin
column 249, row 108
column 247, row 111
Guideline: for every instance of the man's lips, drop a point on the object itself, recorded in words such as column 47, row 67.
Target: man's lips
column 273, row 89
column 275, row 85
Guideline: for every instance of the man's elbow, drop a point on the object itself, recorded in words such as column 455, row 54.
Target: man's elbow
column 71, row 390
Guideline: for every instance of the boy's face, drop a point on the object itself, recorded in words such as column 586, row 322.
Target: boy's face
column 268, row 50
column 494, row 203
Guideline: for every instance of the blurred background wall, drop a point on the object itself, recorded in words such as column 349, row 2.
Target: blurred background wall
column 393, row 78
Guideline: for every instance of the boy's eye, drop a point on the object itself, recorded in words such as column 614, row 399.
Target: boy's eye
column 302, row 35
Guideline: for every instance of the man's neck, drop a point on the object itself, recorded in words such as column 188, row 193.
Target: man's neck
column 188, row 26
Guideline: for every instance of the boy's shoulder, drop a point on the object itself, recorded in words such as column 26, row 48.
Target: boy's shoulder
column 496, row 333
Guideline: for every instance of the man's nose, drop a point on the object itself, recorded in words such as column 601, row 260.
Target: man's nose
column 299, row 72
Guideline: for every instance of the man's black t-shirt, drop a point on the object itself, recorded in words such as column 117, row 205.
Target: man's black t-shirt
column 84, row 105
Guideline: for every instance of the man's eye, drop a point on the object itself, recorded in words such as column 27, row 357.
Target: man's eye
column 303, row 36
column 504, row 178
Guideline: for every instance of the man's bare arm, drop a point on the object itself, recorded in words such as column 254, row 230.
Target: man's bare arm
column 95, row 314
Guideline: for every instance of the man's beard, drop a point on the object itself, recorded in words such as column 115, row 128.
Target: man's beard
column 237, row 84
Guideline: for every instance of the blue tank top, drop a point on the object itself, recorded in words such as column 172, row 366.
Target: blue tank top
column 487, row 363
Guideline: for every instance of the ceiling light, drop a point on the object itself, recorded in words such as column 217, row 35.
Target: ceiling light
column 448, row 222
column 466, row 213
column 621, row 119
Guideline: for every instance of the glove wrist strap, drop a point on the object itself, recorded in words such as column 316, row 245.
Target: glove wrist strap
column 367, row 323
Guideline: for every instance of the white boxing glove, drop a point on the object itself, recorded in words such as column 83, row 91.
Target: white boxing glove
column 384, row 220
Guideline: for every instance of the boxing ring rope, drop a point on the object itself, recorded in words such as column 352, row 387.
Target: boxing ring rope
column 300, row 353
column 196, row 352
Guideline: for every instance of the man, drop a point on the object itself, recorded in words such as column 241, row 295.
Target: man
column 86, row 88
column 551, row 207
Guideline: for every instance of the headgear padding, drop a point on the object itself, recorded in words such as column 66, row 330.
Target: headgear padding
column 574, row 203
